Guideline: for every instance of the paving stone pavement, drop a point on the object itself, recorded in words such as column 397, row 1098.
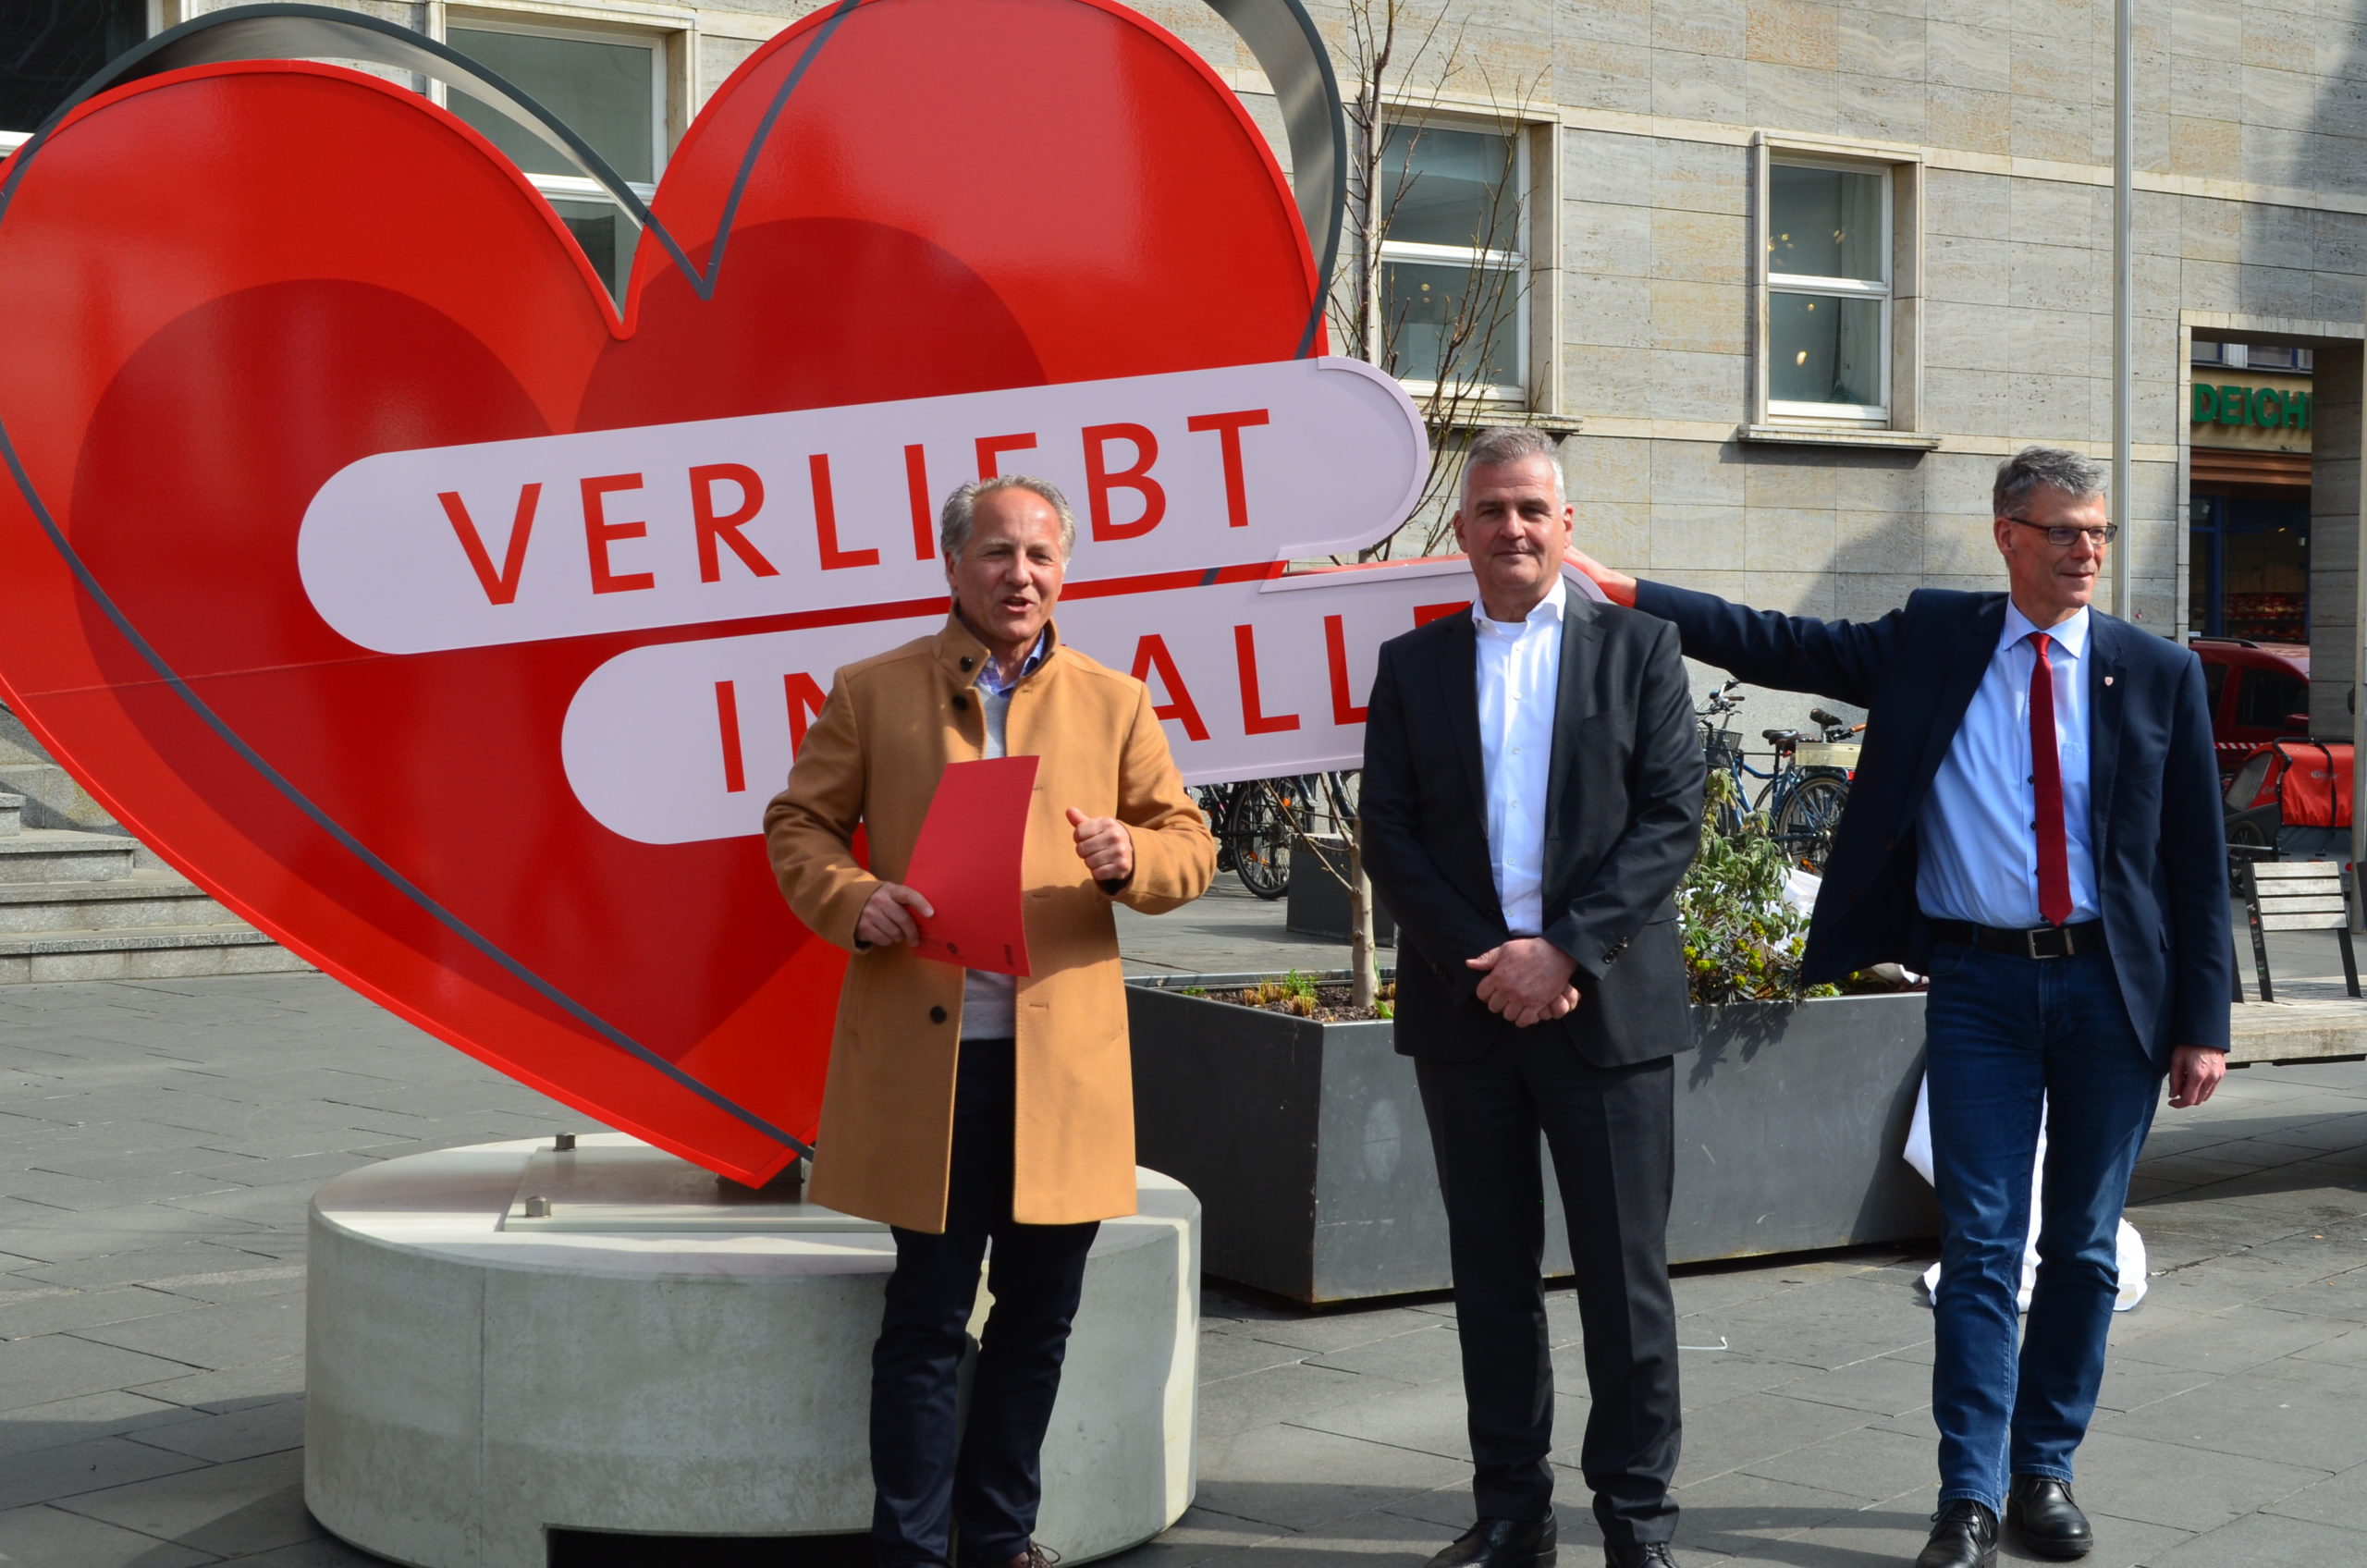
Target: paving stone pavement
column 159, row 1141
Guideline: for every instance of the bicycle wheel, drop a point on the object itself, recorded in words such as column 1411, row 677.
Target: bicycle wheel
column 1805, row 822
column 1215, row 802
column 1259, row 834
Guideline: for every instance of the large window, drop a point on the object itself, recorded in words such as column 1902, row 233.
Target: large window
column 2248, row 568
column 1828, row 291
column 1454, row 283
column 610, row 89
column 2254, row 356
column 48, row 48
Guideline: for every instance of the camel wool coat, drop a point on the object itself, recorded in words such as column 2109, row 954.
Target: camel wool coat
column 872, row 759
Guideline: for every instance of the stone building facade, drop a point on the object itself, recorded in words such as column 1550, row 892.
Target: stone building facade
column 1659, row 155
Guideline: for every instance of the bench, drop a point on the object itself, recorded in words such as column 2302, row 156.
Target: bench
column 2290, row 896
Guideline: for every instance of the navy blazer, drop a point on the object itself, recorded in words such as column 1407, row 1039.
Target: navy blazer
column 1622, row 818
column 2156, row 820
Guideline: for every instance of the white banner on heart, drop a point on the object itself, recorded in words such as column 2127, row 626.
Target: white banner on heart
column 820, row 509
column 682, row 742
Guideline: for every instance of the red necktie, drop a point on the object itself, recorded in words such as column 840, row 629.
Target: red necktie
column 2046, row 773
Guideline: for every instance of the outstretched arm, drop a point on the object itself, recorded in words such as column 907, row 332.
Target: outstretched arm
column 1840, row 659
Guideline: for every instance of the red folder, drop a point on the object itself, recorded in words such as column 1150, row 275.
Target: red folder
column 966, row 864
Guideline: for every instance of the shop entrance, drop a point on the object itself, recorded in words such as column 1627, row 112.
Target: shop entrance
column 2248, row 496
column 2249, row 564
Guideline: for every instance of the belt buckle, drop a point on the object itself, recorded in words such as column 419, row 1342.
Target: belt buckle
column 2062, row 941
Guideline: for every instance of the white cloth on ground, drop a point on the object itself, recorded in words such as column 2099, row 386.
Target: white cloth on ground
column 2130, row 1245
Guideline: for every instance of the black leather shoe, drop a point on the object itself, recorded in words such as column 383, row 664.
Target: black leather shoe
column 1501, row 1543
column 1963, row 1535
column 2048, row 1521
column 1652, row 1554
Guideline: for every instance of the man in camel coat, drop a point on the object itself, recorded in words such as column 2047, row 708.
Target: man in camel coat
column 963, row 1107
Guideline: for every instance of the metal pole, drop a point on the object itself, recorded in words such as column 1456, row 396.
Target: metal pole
column 2355, row 385
column 2123, row 292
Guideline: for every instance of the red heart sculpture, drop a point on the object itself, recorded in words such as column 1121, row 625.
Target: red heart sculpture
column 957, row 195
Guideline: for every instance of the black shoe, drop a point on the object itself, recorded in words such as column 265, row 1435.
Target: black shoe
column 1650, row 1554
column 1501, row 1543
column 2050, row 1523
column 1963, row 1535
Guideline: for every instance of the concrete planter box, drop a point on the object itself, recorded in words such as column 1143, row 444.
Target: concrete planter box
column 1305, row 1145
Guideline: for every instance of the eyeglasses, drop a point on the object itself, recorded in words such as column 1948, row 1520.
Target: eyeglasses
column 2061, row 534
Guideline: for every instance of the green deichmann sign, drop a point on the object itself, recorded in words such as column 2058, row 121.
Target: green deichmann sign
column 2268, row 408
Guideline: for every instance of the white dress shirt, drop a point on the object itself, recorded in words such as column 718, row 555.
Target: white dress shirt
column 1520, row 671
column 989, row 1009
column 1979, row 825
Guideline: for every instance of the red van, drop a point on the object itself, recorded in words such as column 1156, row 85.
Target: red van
column 2259, row 692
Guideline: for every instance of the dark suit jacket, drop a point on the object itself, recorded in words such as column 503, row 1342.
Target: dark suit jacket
column 1622, row 819
column 2154, row 787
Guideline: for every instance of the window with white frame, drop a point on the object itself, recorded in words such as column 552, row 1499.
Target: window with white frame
column 1453, row 272
column 1829, row 275
column 610, row 88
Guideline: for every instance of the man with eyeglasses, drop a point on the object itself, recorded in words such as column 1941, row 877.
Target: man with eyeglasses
column 2036, row 825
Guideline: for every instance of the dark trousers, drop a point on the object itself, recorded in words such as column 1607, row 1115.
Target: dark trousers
column 934, row 1472
column 1611, row 1132
column 2004, row 1035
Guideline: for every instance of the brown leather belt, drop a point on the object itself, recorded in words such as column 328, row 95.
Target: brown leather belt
column 2045, row 941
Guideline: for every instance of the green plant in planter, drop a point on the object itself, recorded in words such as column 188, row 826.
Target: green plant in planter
column 1742, row 940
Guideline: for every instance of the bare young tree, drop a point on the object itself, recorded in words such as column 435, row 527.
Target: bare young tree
column 1402, row 61
column 1402, row 65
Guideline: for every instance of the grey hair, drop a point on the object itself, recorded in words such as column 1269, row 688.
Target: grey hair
column 1496, row 444
column 953, row 525
column 2076, row 476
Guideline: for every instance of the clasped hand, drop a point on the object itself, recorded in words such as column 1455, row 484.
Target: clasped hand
column 1526, row 980
column 1102, row 842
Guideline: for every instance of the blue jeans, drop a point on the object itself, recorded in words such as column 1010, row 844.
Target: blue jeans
column 2003, row 1032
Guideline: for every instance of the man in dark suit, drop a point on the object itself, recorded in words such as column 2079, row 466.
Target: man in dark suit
column 1531, row 797
column 2036, row 825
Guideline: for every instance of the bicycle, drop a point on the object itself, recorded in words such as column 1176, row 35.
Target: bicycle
column 1722, row 752
column 1805, row 798
column 1268, row 816
column 1803, row 795
column 1215, row 802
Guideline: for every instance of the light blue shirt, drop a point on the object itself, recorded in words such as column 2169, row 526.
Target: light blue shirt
column 1978, row 829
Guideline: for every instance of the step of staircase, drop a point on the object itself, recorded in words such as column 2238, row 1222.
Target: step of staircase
column 76, row 905
column 161, row 952
column 57, row 854
column 142, row 899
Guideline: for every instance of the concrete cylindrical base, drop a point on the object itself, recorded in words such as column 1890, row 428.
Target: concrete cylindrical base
column 477, row 1376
